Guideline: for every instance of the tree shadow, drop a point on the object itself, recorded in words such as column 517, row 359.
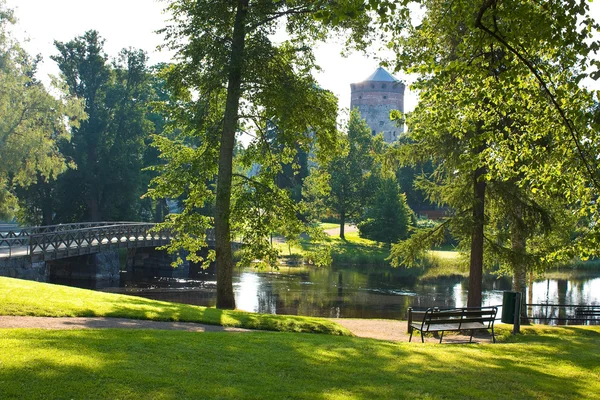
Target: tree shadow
column 172, row 364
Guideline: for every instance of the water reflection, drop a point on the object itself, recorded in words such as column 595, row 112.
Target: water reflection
column 351, row 292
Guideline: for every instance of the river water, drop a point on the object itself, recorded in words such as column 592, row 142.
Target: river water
column 355, row 292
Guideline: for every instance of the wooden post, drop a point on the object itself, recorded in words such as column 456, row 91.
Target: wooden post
column 409, row 319
column 517, row 322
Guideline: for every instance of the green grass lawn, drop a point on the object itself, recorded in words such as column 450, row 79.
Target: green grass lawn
column 551, row 363
column 20, row 297
column 542, row 363
column 352, row 250
column 329, row 225
column 356, row 250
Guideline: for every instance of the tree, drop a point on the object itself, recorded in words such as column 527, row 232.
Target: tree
column 348, row 175
column 388, row 217
column 32, row 122
column 493, row 111
column 108, row 150
column 232, row 77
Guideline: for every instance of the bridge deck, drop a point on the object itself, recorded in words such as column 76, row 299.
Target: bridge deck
column 61, row 241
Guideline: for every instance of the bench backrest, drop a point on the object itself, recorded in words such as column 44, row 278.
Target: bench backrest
column 456, row 316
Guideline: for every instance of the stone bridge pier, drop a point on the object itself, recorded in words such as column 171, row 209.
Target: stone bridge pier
column 23, row 268
column 103, row 265
column 147, row 261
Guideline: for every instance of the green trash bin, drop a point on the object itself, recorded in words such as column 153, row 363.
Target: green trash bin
column 509, row 300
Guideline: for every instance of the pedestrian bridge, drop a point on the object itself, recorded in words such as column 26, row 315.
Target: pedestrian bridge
column 53, row 242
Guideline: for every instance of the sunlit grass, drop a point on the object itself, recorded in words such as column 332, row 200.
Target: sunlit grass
column 20, row 297
column 329, row 225
column 543, row 363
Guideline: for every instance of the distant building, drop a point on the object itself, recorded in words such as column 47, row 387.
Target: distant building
column 374, row 98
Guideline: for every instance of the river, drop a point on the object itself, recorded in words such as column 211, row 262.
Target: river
column 354, row 292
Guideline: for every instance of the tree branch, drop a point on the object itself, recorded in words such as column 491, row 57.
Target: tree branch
column 573, row 133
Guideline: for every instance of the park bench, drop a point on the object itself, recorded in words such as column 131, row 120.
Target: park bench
column 455, row 319
column 587, row 314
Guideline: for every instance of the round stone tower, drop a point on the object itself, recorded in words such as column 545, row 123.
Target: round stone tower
column 374, row 98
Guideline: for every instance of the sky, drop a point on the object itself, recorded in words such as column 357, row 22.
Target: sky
column 132, row 23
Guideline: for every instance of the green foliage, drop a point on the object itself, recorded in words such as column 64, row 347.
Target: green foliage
column 344, row 185
column 231, row 77
column 501, row 107
column 388, row 217
column 109, row 149
column 32, row 120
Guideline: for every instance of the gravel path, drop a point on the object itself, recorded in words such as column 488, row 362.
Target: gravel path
column 382, row 329
column 97, row 323
column 395, row 331
column 336, row 231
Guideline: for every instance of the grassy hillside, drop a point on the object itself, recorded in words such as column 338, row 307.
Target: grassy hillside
column 20, row 297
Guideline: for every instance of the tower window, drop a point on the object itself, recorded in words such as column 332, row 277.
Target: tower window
column 373, row 131
column 372, row 86
column 384, row 97
column 380, row 123
column 383, row 86
column 360, row 97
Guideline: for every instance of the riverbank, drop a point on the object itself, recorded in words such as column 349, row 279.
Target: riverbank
column 27, row 298
column 354, row 250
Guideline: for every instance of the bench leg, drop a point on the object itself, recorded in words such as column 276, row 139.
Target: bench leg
column 442, row 336
column 471, row 338
column 422, row 337
column 493, row 335
column 410, row 338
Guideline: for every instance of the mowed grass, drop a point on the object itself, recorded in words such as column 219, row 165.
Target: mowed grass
column 20, row 297
column 547, row 363
column 356, row 250
column 352, row 250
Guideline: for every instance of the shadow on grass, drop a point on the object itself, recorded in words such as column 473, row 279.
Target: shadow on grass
column 162, row 364
column 139, row 308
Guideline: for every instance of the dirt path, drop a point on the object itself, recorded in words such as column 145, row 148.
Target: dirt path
column 336, row 231
column 96, row 323
column 396, row 331
column 382, row 329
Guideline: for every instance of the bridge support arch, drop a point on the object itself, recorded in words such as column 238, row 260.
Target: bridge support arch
column 103, row 265
column 151, row 261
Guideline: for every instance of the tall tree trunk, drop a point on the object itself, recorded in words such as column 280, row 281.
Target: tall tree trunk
column 476, row 261
column 562, row 286
column 518, row 243
column 342, row 224
column 94, row 210
column 225, row 297
column 47, row 204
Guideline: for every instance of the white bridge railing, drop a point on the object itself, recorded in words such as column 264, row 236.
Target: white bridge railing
column 67, row 240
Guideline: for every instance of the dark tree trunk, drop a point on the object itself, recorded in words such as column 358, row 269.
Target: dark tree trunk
column 562, row 285
column 94, row 210
column 476, row 261
column 518, row 242
column 161, row 210
column 342, row 224
column 225, row 297
column 47, row 205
